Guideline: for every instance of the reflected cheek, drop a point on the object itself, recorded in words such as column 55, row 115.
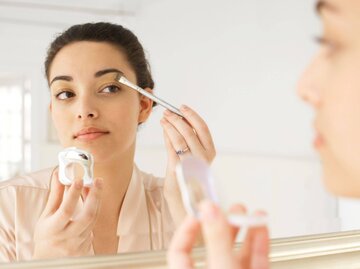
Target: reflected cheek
column 62, row 124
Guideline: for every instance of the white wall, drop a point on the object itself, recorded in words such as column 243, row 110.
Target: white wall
column 237, row 63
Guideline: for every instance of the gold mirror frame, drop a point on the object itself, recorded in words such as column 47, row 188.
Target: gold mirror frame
column 330, row 251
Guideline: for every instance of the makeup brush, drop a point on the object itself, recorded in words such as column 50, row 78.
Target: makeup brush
column 123, row 80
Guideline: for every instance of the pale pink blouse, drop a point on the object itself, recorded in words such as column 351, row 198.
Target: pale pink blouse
column 144, row 224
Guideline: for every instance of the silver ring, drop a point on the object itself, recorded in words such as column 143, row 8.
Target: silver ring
column 182, row 151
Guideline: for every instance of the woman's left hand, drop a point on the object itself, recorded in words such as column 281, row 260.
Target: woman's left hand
column 219, row 236
column 183, row 136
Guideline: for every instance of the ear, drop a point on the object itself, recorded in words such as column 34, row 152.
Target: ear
column 50, row 106
column 145, row 107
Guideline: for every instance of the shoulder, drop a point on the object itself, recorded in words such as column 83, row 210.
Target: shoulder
column 37, row 180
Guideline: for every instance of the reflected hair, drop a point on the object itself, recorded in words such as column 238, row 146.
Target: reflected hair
column 120, row 37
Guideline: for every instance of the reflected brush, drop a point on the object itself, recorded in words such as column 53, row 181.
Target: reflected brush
column 123, row 80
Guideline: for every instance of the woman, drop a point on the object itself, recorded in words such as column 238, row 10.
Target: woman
column 125, row 209
column 331, row 85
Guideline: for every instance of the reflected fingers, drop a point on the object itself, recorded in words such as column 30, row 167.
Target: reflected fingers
column 87, row 217
column 177, row 140
column 70, row 200
column 200, row 127
column 55, row 195
column 182, row 128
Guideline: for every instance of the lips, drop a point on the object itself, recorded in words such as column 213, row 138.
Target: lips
column 90, row 133
column 318, row 141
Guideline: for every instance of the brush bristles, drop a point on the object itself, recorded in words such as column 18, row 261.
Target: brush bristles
column 118, row 76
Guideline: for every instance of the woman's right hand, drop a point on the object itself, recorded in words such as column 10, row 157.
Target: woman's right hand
column 57, row 234
column 219, row 238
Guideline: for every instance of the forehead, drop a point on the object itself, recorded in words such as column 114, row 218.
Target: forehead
column 88, row 57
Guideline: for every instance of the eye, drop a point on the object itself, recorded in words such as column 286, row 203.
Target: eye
column 65, row 95
column 110, row 89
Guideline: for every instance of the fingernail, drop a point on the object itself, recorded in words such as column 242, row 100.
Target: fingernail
column 167, row 113
column 208, row 211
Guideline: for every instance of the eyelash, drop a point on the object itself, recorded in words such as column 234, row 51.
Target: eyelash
column 60, row 93
column 322, row 41
column 104, row 87
column 112, row 85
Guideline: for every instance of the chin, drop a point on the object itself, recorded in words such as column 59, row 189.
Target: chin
column 341, row 183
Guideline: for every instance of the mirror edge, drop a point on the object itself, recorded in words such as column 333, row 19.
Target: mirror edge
column 315, row 251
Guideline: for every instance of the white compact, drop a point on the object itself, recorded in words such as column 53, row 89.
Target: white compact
column 75, row 163
column 197, row 184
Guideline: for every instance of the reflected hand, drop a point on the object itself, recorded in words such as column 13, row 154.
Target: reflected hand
column 57, row 234
column 219, row 238
column 183, row 136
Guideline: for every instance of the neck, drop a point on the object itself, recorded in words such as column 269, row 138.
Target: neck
column 116, row 174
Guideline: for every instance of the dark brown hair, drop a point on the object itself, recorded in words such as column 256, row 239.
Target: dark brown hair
column 117, row 35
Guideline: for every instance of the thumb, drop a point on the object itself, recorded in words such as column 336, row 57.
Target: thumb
column 260, row 249
column 218, row 236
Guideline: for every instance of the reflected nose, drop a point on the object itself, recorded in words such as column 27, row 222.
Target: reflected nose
column 86, row 115
column 87, row 110
column 309, row 85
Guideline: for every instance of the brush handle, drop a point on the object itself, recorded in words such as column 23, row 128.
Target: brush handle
column 156, row 99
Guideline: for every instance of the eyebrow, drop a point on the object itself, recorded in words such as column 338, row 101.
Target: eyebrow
column 106, row 71
column 66, row 78
column 97, row 74
column 322, row 5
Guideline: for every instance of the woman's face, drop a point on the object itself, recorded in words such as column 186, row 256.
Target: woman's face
column 331, row 84
column 89, row 109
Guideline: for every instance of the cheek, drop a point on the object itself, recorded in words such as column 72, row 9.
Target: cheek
column 61, row 121
column 341, row 115
column 123, row 115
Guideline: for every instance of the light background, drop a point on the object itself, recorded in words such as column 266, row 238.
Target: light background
column 236, row 62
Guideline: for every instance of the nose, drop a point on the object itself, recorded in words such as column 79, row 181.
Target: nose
column 310, row 83
column 87, row 109
column 86, row 115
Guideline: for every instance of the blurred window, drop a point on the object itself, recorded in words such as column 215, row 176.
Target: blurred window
column 15, row 123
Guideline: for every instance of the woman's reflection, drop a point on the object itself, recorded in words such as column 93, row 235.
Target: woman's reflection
column 125, row 209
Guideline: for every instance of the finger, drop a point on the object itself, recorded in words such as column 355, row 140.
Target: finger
column 236, row 209
column 172, row 156
column 55, row 196
column 217, row 235
column 70, row 200
column 177, row 140
column 200, row 127
column 87, row 218
column 245, row 254
column 187, row 132
column 260, row 249
column 182, row 243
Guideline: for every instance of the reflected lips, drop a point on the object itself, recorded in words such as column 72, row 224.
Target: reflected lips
column 89, row 134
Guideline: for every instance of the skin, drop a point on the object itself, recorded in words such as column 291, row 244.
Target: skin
column 84, row 95
column 331, row 85
column 219, row 239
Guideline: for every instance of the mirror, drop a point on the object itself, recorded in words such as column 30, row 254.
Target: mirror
column 235, row 62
